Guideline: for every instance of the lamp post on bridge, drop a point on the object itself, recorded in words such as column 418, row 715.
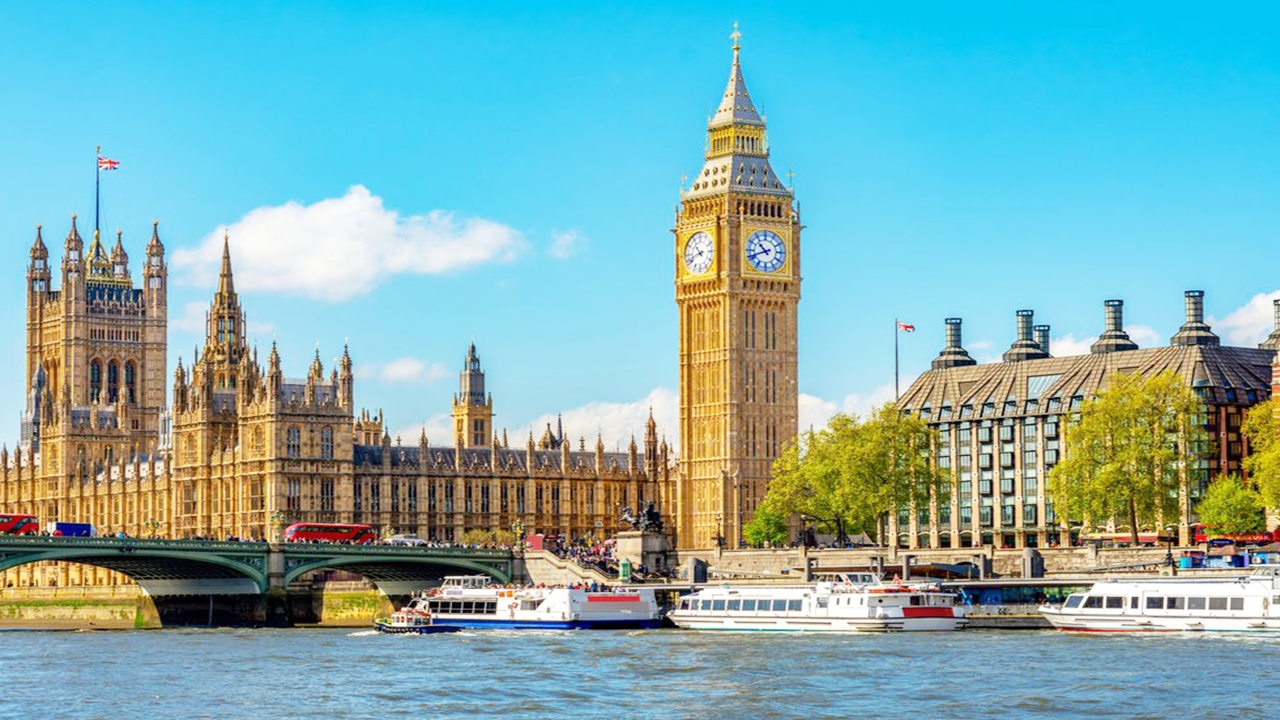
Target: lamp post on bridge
column 277, row 520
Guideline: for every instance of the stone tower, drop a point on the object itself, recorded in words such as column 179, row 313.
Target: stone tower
column 96, row 347
column 737, row 267
column 472, row 409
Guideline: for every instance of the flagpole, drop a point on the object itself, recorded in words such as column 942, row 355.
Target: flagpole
column 895, row 361
column 97, row 187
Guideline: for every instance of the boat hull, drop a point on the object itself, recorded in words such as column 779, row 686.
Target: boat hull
column 1097, row 622
column 864, row 625
column 433, row 629
column 627, row 624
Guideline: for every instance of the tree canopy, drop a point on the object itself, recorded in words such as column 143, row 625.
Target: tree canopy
column 1124, row 454
column 849, row 476
column 1231, row 507
column 1262, row 427
column 768, row 526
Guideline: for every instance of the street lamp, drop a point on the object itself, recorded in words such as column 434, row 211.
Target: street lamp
column 152, row 526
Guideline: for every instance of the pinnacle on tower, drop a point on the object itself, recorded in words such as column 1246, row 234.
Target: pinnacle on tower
column 38, row 250
column 155, row 247
column 736, row 107
column 226, row 286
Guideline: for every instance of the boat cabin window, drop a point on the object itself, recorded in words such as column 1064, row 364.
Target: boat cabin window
column 1093, row 601
column 822, row 602
column 1217, row 603
column 1133, row 603
column 915, row 599
column 1175, row 603
column 794, row 605
column 684, row 604
column 1074, row 601
column 1237, row 603
column 1195, row 603
column 779, row 605
column 1114, row 603
column 748, row 605
column 735, row 605
column 1155, row 603
column 717, row 605
column 706, row 604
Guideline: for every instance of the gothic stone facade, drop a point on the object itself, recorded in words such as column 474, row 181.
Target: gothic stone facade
column 737, row 268
column 1000, row 424
column 245, row 449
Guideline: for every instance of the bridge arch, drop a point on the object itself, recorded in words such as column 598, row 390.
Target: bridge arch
column 398, row 576
column 158, row 570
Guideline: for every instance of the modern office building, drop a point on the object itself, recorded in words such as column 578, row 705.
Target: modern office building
column 1000, row 424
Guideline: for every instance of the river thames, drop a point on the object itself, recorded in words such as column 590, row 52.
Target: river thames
column 322, row 673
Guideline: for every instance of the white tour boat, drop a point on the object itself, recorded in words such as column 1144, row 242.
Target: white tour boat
column 1248, row 603
column 852, row 603
column 472, row 602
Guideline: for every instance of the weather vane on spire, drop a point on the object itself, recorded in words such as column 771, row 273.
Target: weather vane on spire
column 736, row 37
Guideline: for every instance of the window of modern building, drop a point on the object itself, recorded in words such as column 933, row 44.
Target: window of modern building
column 1030, row 515
column 1006, row 459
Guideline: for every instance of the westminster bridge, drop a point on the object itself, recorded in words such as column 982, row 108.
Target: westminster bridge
column 248, row 579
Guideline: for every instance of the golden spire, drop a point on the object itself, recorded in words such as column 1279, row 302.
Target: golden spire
column 736, row 37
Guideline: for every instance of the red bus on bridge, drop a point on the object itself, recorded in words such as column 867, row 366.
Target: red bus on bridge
column 1202, row 534
column 330, row 532
column 19, row 525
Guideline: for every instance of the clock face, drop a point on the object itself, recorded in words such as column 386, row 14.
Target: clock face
column 765, row 251
column 698, row 252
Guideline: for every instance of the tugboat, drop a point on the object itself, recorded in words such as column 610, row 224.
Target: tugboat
column 412, row 619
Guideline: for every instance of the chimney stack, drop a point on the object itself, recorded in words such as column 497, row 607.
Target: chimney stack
column 1194, row 331
column 953, row 354
column 1042, row 338
column 1273, row 341
column 1025, row 347
column 1113, row 338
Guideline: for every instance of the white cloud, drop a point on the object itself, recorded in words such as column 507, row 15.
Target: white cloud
column 815, row 412
column 439, row 429
column 193, row 316
column 1251, row 323
column 615, row 421
column 403, row 370
column 1067, row 345
column 566, row 244
column 338, row 248
column 979, row 345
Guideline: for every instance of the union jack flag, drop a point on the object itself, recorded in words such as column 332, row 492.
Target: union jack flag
column 105, row 164
column 905, row 327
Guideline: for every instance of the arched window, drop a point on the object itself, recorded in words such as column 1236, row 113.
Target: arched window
column 293, row 442
column 95, row 381
column 130, row 382
column 326, row 444
column 113, row 381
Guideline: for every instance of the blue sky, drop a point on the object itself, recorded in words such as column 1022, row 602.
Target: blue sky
column 413, row 177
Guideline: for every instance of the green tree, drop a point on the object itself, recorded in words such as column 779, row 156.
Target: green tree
column 768, row 526
column 1231, row 507
column 1123, row 456
column 851, row 475
column 1262, row 427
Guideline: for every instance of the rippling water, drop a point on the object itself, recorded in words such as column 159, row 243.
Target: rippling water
column 338, row 674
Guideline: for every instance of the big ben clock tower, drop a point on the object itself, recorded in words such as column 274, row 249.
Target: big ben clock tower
column 737, row 258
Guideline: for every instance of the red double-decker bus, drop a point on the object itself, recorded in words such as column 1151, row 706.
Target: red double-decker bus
column 330, row 532
column 19, row 525
column 1202, row 534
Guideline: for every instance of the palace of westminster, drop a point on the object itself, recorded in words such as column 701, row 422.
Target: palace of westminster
column 241, row 448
